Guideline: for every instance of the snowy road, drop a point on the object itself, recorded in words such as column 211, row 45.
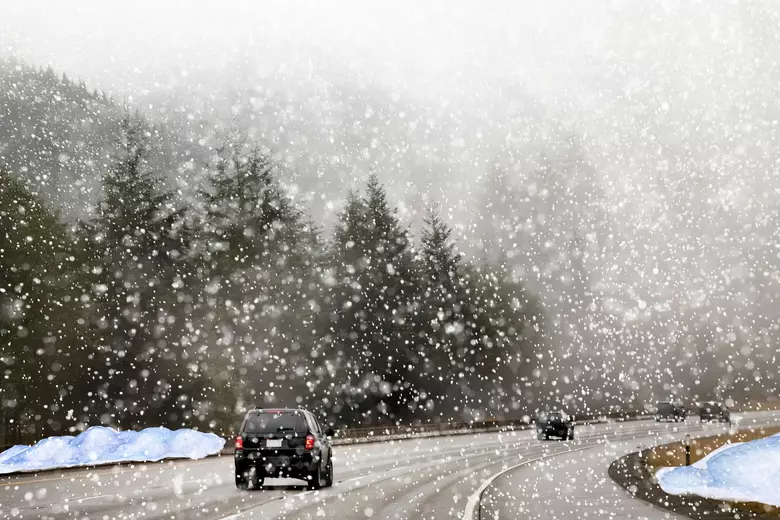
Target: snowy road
column 418, row 479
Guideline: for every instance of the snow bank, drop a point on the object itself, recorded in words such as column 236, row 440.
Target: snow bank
column 101, row 445
column 745, row 471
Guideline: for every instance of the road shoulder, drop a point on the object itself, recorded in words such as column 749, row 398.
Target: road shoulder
column 635, row 476
column 575, row 485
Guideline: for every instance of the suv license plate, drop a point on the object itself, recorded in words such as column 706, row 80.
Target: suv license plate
column 273, row 443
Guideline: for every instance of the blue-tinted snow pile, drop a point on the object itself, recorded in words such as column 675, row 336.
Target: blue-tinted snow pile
column 746, row 472
column 101, row 445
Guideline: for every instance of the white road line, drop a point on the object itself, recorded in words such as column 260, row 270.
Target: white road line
column 249, row 509
column 231, row 517
column 80, row 500
column 472, row 504
column 367, row 475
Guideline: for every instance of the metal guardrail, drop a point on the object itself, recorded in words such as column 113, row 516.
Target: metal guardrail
column 524, row 422
column 370, row 434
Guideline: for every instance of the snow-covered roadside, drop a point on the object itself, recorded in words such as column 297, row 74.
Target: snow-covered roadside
column 99, row 445
column 745, row 472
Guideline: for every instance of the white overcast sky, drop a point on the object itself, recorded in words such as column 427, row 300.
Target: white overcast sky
column 424, row 47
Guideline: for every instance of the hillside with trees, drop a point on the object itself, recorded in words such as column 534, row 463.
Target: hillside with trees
column 304, row 246
column 148, row 310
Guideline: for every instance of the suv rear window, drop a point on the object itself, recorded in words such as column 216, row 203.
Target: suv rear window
column 273, row 422
column 666, row 408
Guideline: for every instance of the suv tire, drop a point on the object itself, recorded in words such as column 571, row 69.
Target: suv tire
column 316, row 479
column 329, row 473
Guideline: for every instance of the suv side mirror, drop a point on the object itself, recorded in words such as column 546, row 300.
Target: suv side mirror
column 329, row 432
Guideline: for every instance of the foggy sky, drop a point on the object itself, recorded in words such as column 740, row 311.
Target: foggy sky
column 437, row 48
column 661, row 90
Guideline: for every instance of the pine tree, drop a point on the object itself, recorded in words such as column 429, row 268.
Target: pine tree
column 480, row 327
column 139, row 250
column 373, row 300
column 441, row 262
column 250, row 216
column 256, row 266
column 504, row 326
column 441, row 320
column 42, row 358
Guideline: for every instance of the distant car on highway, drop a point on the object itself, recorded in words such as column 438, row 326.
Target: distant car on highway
column 669, row 411
column 285, row 443
column 713, row 411
column 554, row 424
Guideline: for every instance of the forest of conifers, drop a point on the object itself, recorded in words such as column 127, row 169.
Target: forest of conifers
column 135, row 293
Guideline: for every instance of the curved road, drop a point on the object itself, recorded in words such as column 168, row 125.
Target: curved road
column 482, row 476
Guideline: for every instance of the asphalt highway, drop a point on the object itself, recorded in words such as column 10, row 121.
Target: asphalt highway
column 472, row 477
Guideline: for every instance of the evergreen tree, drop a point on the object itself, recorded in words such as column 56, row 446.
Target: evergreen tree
column 256, row 266
column 440, row 261
column 504, row 327
column 441, row 320
column 42, row 360
column 375, row 285
column 139, row 247
column 478, row 327
column 249, row 215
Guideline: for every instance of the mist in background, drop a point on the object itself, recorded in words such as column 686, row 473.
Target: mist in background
column 621, row 161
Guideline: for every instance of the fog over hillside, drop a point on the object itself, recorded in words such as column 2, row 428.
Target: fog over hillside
column 621, row 159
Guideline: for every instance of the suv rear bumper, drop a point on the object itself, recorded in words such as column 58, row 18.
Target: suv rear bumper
column 297, row 465
column 555, row 431
column 714, row 417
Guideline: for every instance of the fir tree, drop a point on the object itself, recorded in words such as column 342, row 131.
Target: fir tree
column 256, row 266
column 139, row 246
column 374, row 297
column 42, row 360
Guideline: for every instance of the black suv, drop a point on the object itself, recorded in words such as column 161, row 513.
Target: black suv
column 283, row 443
column 554, row 424
column 668, row 411
column 713, row 411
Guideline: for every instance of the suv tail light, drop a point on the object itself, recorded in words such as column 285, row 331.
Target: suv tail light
column 309, row 443
column 239, row 443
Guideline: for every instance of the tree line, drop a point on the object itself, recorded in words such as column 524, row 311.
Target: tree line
column 159, row 311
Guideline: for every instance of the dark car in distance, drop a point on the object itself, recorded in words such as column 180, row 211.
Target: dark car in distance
column 554, row 424
column 668, row 411
column 714, row 412
column 285, row 443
